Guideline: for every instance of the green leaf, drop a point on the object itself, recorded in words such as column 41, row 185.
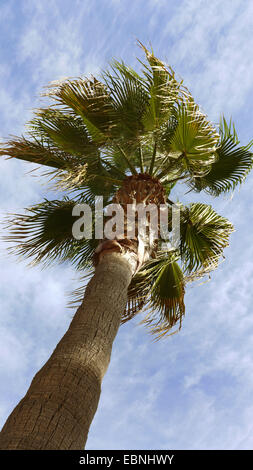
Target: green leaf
column 159, row 288
column 167, row 299
column 231, row 167
column 89, row 99
column 163, row 89
column 65, row 131
column 44, row 234
column 204, row 235
column 129, row 100
column 38, row 152
column 194, row 137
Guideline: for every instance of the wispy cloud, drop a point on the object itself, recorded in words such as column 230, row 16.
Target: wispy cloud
column 212, row 44
column 193, row 390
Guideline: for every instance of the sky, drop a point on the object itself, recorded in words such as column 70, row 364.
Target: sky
column 192, row 390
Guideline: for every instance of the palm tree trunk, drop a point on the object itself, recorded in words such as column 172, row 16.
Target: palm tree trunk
column 60, row 404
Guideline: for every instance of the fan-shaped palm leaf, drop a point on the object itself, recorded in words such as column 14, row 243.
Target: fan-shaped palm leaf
column 232, row 165
column 204, row 235
column 38, row 152
column 194, row 136
column 129, row 101
column 166, row 300
column 89, row 99
column 163, row 89
column 44, row 234
column 159, row 288
column 63, row 130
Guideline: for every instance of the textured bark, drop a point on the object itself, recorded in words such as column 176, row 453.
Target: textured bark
column 60, row 404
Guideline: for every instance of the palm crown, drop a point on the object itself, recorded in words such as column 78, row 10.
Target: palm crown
column 94, row 136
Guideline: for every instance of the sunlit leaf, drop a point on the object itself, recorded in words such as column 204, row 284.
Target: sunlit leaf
column 231, row 167
column 204, row 235
column 44, row 234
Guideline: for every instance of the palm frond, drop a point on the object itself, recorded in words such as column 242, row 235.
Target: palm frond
column 138, row 291
column 88, row 98
column 44, row 234
column 164, row 91
column 129, row 99
column 76, row 296
column 194, row 137
column 38, row 152
column 70, row 179
column 231, row 167
column 227, row 129
column 97, row 179
column 64, row 130
column 159, row 288
column 167, row 300
column 204, row 235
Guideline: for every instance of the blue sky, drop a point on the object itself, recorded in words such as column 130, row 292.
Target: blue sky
column 194, row 389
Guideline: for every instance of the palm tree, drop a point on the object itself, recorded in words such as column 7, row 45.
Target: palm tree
column 129, row 137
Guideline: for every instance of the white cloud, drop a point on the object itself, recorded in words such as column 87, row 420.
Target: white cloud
column 193, row 390
column 212, row 44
